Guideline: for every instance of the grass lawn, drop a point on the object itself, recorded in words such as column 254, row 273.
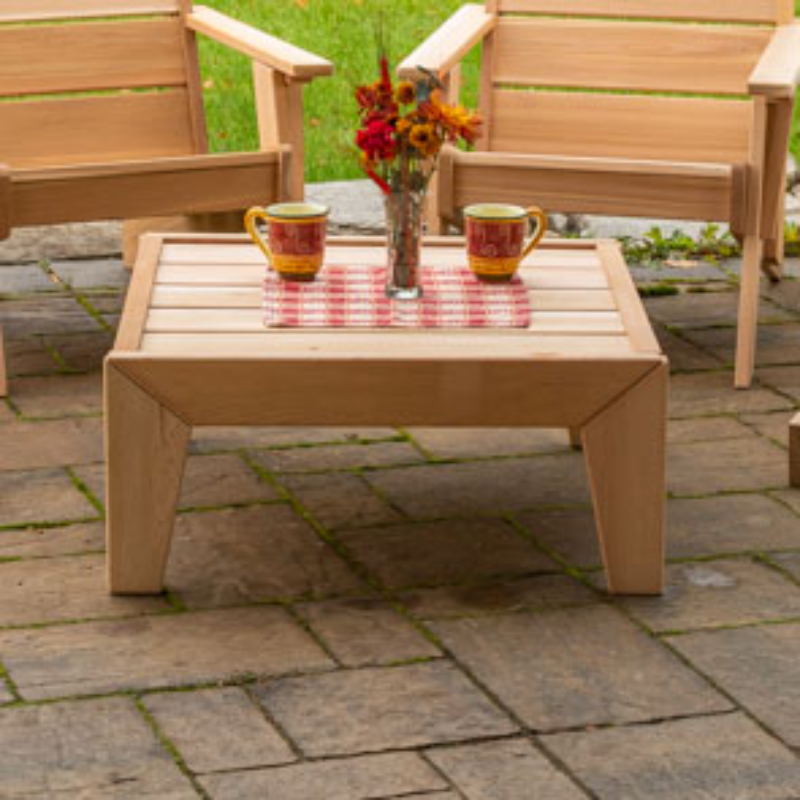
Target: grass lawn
column 343, row 32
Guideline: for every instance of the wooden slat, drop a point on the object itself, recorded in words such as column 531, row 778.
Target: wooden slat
column 571, row 300
column 251, row 320
column 615, row 55
column 456, row 345
column 388, row 390
column 627, row 297
column 763, row 11
column 42, row 133
column 134, row 315
column 34, row 10
column 258, row 45
column 621, row 126
column 597, row 186
column 42, row 59
column 164, row 187
column 778, row 71
column 450, row 42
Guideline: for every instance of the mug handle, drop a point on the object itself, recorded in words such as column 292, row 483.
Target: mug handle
column 250, row 218
column 541, row 229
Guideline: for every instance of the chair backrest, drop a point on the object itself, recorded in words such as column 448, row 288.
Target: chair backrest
column 95, row 81
column 652, row 79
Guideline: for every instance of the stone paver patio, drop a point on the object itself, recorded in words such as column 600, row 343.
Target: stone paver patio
column 366, row 614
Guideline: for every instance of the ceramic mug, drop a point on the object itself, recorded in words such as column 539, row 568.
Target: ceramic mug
column 295, row 246
column 496, row 238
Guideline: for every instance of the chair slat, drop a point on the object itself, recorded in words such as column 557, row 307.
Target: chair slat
column 43, row 59
column 41, row 133
column 758, row 11
column 659, row 57
column 621, row 126
column 37, row 10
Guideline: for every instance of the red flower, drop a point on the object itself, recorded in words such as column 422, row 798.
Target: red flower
column 377, row 140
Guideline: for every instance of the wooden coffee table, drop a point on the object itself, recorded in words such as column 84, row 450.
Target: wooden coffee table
column 192, row 350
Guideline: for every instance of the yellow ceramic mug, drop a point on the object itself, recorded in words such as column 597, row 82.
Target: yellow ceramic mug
column 296, row 245
column 496, row 238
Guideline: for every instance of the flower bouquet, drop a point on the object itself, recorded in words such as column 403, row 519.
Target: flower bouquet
column 402, row 129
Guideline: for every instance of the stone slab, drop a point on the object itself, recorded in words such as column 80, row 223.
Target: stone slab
column 96, row 273
column 789, row 562
column 260, row 553
column 487, row 487
column 54, row 589
column 445, row 443
column 40, row 496
column 369, row 710
column 711, row 758
column 366, row 632
column 707, row 309
column 154, row 652
column 98, row 748
column 74, row 240
column 83, row 537
column 45, row 314
column 53, row 443
column 784, row 379
column 373, row 777
column 535, row 593
column 29, row 357
column 208, row 482
column 704, row 429
column 59, row 395
column 731, row 465
column 340, row 500
column 82, row 352
column 573, row 667
column 449, row 551
column 777, row 344
column 704, row 393
column 791, row 498
column 25, row 279
column 505, row 770
column 758, row 666
column 339, row 457
column 683, row 355
column 774, row 427
column 218, row 729
column 717, row 593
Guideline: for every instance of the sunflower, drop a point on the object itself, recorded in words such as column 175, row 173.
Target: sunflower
column 406, row 93
column 423, row 138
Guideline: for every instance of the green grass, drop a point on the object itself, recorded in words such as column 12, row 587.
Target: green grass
column 342, row 31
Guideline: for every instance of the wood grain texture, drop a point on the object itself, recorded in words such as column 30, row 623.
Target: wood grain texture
column 35, row 10
column 5, row 202
column 763, row 11
column 140, row 291
column 596, row 186
column 445, row 48
column 42, row 59
column 258, row 45
column 621, row 126
column 485, row 390
column 778, row 71
column 794, row 452
column 145, row 453
column 3, row 369
column 44, row 133
column 195, row 184
column 617, row 55
column 625, row 449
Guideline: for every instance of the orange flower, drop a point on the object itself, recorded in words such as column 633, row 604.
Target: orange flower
column 403, row 126
column 406, row 93
column 423, row 138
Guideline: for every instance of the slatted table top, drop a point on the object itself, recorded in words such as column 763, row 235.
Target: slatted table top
column 198, row 296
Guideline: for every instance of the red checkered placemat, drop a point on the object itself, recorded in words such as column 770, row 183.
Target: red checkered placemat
column 354, row 297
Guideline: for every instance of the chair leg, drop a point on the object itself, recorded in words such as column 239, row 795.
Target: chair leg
column 3, row 372
column 748, row 311
column 794, row 452
column 772, row 262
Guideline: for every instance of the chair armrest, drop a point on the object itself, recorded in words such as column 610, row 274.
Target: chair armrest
column 777, row 74
column 260, row 46
column 446, row 46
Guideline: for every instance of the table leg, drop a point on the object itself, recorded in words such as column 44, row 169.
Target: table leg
column 625, row 447
column 145, row 454
column 794, row 452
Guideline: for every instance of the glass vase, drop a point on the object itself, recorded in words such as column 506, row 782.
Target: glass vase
column 404, row 243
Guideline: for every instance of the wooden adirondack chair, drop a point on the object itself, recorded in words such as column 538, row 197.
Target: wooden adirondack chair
column 644, row 112
column 106, row 117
